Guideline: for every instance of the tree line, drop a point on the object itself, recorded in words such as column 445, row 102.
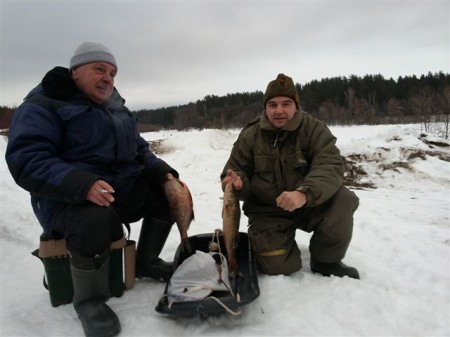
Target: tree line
column 370, row 99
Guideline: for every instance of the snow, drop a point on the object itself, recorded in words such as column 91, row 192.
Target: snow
column 400, row 247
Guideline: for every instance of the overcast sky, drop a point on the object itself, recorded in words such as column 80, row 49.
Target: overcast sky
column 176, row 52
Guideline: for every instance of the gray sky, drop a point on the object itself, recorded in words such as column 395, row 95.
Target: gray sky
column 176, row 52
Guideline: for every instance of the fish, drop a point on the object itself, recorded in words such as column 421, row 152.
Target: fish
column 231, row 215
column 181, row 208
column 218, row 264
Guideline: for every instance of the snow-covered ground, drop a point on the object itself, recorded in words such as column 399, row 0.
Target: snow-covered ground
column 400, row 246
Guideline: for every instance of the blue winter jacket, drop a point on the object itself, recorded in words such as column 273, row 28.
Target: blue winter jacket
column 60, row 143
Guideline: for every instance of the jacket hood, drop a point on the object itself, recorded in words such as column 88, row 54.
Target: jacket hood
column 36, row 90
column 58, row 84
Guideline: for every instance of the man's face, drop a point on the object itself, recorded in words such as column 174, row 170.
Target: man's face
column 280, row 110
column 95, row 80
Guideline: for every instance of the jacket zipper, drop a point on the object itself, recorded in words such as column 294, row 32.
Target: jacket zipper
column 275, row 142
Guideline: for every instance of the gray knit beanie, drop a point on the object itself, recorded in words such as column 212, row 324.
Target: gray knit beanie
column 88, row 52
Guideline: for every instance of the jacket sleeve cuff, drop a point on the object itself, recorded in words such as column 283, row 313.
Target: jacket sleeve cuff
column 77, row 184
column 155, row 175
column 310, row 200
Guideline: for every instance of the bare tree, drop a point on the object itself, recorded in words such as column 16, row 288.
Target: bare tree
column 444, row 103
column 350, row 95
column 393, row 107
column 372, row 102
column 424, row 104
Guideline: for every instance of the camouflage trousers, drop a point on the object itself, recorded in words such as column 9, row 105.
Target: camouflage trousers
column 273, row 236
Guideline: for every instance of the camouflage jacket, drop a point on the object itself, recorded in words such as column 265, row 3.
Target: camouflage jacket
column 301, row 156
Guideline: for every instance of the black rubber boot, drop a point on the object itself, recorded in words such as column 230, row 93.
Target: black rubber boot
column 91, row 290
column 153, row 236
column 337, row 269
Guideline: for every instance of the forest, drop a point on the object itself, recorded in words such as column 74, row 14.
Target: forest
column 371, row 99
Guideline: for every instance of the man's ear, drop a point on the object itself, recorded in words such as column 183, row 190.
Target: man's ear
column 74, row 74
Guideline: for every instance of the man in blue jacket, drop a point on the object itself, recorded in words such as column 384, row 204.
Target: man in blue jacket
column 76, row 148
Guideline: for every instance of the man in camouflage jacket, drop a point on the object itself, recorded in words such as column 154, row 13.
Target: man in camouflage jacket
column 289, row 173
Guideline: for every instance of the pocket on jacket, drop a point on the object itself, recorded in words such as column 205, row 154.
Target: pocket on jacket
column 297, row 161
column 299, row 166
column 69, row 112
column 264, row 169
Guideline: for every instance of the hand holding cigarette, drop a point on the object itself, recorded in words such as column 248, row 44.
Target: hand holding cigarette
column 100, row 193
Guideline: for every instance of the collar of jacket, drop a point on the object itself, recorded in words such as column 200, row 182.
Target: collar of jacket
column 58, row 84
column 292, row 125
column 115, row 101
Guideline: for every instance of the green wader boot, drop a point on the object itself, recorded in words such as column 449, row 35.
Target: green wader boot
column 90, row 278
column 153, row 236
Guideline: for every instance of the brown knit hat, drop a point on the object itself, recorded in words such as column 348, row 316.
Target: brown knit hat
column 282, row 86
